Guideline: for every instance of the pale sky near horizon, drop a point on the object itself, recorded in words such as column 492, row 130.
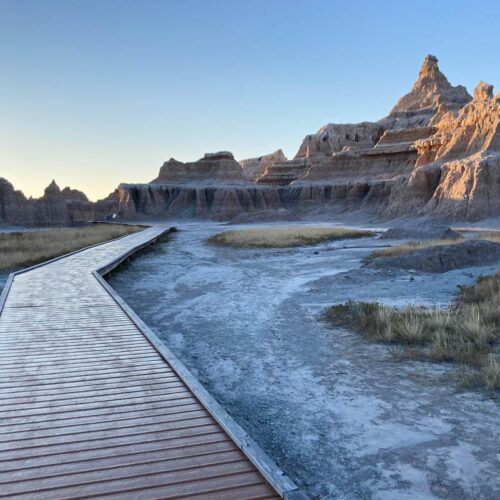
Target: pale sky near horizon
column 98, row 92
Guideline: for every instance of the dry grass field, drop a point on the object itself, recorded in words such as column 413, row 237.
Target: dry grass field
column 467, row 332
column 23, row 249
column 282, row 237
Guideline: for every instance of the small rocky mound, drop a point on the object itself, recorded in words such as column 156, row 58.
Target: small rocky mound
column 442, row 258
column 420, row 231
column 265, row 216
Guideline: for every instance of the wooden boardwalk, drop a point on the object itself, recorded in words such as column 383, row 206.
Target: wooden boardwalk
column 91, row 407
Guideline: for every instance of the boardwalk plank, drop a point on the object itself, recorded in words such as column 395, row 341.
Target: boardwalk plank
column 89, row 406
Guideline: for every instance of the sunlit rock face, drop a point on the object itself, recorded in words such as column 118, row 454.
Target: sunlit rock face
column 368, row 151
column 465, row 154
column 431, row 90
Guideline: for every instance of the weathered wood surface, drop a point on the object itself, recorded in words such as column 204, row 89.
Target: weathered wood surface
column 90, row 408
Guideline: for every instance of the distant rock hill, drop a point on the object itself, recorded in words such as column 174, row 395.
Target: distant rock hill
column 436, row 154
column 54, row 208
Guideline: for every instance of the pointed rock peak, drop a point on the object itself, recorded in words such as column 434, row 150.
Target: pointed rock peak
column 52, row 189
column 483, row 91
column 429, row 67
column 430, row 90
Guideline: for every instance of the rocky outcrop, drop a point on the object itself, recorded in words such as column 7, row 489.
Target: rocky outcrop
column 284, row 173
column 364, row 165
column 458, row 168
column 15, row 208
column 436, row 154
column 431, row 90
column 55, row 208
column 253, row 168
column 448, row 169
column 404, row 136
column 213, row 167
column 224, row 202
column 368, row 151
column 220, row 202
column 334, row 137
column 442, row 258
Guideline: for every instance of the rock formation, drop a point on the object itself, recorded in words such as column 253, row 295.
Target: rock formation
column 54, row 208
column 213, row 167
column 430, row 91
column 333, row 138
column 373, row 150
column 284, row 172
column 253, row 168
column 15, row 208
column 463, row 160
column 436, row 154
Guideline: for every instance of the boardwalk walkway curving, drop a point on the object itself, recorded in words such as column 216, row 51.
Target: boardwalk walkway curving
column 92, row 406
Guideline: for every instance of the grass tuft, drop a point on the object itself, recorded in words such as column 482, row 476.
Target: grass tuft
column 405, row 248
column 24, row 249
column 467, row 332
column 282, row 237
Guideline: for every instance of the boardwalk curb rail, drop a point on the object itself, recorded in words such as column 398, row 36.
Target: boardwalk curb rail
column 269, row 470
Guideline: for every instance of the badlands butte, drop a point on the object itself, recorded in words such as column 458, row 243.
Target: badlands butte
column 436, row 155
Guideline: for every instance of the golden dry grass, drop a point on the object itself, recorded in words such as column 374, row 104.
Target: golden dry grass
column 23, row 249
column 282, row 237
column 404, row 248
column 409, row 247
column 467, row 332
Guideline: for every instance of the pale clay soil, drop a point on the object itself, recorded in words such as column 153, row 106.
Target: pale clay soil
column 337, row 413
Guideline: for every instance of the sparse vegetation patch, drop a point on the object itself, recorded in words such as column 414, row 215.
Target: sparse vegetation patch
column 405, row 248
column 282, row 237
column 23, row 249
column 467, row 332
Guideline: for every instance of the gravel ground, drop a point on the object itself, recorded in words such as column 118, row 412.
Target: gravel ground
column 337, row 413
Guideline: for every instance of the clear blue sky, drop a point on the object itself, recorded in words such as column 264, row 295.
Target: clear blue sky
column 93, row 93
